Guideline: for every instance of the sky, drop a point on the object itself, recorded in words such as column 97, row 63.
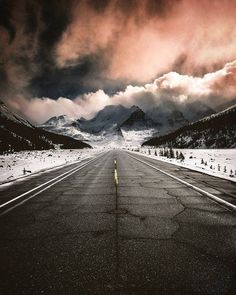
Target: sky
column 76, row 56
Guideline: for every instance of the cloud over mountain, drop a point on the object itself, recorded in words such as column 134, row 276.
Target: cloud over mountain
column 71, row 47
column 213, row 89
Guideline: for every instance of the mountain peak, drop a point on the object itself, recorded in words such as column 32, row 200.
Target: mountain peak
column 58, row 120
column 9, row 114
column 134, row 107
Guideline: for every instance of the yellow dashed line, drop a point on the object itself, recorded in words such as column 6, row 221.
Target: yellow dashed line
column 116, row 174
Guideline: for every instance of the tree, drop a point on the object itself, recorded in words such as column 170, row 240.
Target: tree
column 171, row 153
column 165, row 153
column 181, row 156
column 177, row 155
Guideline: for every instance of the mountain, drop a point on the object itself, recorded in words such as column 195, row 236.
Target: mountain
column 171, row 115
column 109, row 119
column 58, row 121
column 64, row 125
column 109, row 124
column 215, row 131
column 137, row 120
column 17, row 134
column 132, row 124
column 196, row 110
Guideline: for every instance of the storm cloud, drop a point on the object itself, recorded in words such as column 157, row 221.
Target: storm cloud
column 88, row 51
column 180, row 89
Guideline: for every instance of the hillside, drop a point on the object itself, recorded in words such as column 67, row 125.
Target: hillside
column 18, row 134
column 215, row 131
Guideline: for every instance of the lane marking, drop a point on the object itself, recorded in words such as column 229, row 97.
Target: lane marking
column 116, row 177
column 209, row 195
column 116, row 174
column 58, row 179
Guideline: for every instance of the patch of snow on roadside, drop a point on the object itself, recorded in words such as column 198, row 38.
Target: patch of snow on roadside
column 216, row 162
column 20, row 164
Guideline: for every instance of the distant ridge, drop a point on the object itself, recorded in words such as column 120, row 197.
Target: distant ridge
column 215, row 131
column 18, row 134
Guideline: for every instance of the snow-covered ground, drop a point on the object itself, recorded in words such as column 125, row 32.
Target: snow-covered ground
column 136, row 137
column 21, row 164
column 221, row 163
column 216, row 162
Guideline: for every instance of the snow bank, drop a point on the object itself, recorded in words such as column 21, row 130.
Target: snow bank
column 21, row 164
column 216, row 162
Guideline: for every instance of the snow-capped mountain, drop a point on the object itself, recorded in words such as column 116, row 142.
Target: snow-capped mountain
column 64, row 125
column 138, row 120
column 8, row 115
column 171, row 115
column 215, row 131
column 59, row 121
column 111, row 123
column 107, row 120
column 116, row 121
column 17, row 134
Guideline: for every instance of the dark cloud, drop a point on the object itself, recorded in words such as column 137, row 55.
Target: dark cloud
column 6, row 8
column 98, row 6
column 56, row 15
column 56, row 48
column 160, row 8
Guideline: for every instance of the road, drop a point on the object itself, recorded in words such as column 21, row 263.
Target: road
column 150, row 235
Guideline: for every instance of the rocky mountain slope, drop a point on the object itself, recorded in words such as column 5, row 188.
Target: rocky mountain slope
column 110, row 123
column 18, row 134
column 119, row 122
column 215, row 131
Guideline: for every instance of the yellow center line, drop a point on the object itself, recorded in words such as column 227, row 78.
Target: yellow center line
column 116, row 174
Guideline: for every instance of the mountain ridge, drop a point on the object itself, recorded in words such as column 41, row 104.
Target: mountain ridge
column 215, row 131
column 16, row 134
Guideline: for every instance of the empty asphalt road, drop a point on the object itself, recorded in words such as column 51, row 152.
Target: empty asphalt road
column 80, row 234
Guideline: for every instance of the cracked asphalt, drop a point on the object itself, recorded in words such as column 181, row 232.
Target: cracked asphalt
column 154, row 236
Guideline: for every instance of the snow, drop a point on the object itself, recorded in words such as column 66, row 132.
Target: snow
column 136, row 137
column 216, row 162
column 12, row 166
column 12, row 116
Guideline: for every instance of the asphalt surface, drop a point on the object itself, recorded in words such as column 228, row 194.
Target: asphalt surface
column 151, row 235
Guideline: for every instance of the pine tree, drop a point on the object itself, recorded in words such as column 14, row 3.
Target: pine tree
column 171, row 153
column 181, row 156
column 177, row 155
column 165, row 153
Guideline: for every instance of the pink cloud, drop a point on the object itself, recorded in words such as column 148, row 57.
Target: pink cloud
column 213, row 88
column 138, row 45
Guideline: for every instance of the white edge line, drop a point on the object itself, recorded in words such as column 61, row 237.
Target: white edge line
column 43, row 184
column 211, row 196
column 184, row 166
column 47, row 187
